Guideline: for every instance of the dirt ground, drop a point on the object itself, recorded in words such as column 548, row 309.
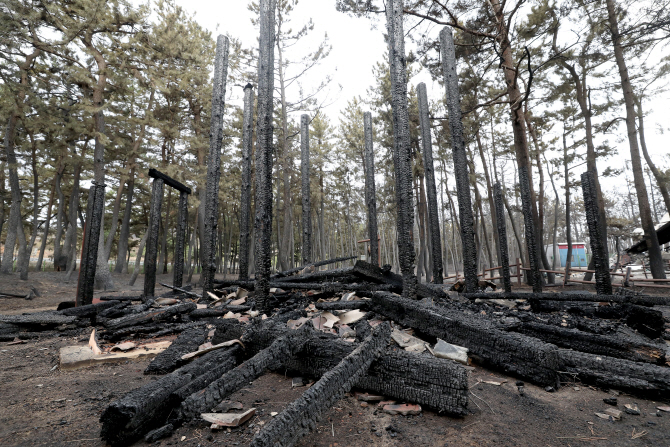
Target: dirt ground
column 40, row 405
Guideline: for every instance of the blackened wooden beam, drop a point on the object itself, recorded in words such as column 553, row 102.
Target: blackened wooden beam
column 301, row 416
column 598, row 249
column 370, row 194
column 152, row 239
column 214, row 165
column 306, row 210
column 460, row 159
column 170, row 359
column 314, row 264
column 264, row 149
column 431, row 192
column 245, row 199
column 530, row 230
column 182, row 224
column 153, row 173
column 402, row 152
column 502, row 237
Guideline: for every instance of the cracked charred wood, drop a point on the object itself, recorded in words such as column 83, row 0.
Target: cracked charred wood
column 438, row 384
column 8, row 328
column 516, row 354
column 315, row 264
column 245, row 196
column 214, row 165
column 608, row 372
column 402, row 152
column 170, row 359
column 217, row 312
column 450, row 75
column 598, row 249
column 306, row 208
column 301, row 416
column 431, row 193
column 530, row 230
column 45, row 318
column 227, row 330
column 116, row 311
column 619, row 346
column 146, row 408
column 372, row 273
column 370, row 194
column 151, row 316
column 263, row 219
column 272, row 357
column 502, row 237
column 343, row 305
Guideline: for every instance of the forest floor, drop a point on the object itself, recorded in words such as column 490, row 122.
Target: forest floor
column 40, row 405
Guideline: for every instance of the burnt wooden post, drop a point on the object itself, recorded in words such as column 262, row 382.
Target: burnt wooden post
column 531, row 240
column 245, row 200
column 460, row 159
column 370, row 195
column 600, row 254
column 214, row 165
column 502, row 237
column 263, row 219
column 89, row 249
column 306, row 211
column 152, row 239
column 402, row 153
column 182, row 224
column 433, row 215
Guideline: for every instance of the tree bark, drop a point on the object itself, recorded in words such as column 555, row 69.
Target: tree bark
column 263, row 219
column 655, row 258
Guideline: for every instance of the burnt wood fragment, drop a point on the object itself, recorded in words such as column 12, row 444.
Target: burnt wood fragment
column 182, row 224
column 343, row 305
column 370, row 272
column 639, row 300
column 152, row 238
column 88, row 310
column 301, row 416
column 515, row 354
column 314, row 264
column 170, row 359
column 46, row 318
column 272, row 357
column 146, row 408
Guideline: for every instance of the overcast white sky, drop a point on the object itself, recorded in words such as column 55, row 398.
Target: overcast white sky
column 357, row 47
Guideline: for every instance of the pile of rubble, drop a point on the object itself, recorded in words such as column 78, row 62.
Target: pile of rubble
column 348, row 328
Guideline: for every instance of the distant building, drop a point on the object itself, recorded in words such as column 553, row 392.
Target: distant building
column 579, row 256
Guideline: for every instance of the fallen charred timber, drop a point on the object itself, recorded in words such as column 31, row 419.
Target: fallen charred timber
column 516, row 354
column 630, row 299
column 170, row 359
column 315, row 264
column 156, row 315
column 301, row 416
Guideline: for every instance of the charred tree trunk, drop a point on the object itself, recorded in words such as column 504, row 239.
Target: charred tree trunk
column 214, row 165
column 245, row 200
column 600, row 256
column 429, row 172
column 264, row 149
column 460, row 160
column 152, row 239
column 502, row 237
column 122, row 252
column 306, row 207
column 370, row 193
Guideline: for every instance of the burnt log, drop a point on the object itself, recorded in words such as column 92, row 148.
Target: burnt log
column 639, row 300
column 88, row 310
column 170, row 359
column 272, row 357
column 155, row 315
column 21, row 336
column 45, row 318
column 146, row 408
column 314, row 264
column 301, row 416
column 372, row 273
column 641, row 379
column 515, row 354
column 619, row 346
column 153, row 330
column 227, row 330
column 326, row 275
column 120, row 298
column 438, row 384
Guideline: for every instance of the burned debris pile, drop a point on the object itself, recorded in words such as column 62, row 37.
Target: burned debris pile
column 352, row 329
